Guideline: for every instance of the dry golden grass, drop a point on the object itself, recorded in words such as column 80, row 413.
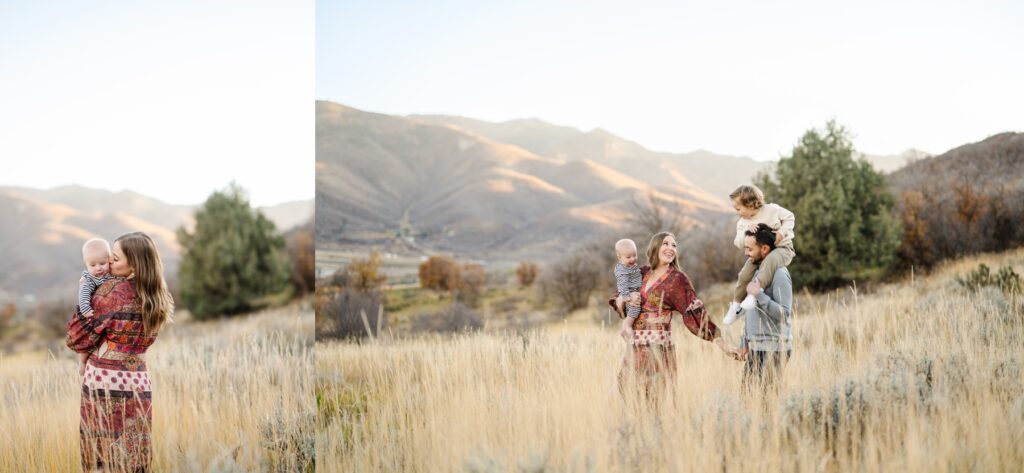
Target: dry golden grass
column 918, row 376
column 235, row 395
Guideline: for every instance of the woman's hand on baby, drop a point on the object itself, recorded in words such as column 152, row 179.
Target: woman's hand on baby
column 634, row 298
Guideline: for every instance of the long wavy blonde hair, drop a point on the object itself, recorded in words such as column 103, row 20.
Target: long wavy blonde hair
column 141, row 255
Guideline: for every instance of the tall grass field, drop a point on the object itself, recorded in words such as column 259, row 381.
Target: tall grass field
column 919, row 375
column 233, row 395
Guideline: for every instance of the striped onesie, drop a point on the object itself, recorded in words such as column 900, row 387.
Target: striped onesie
column 86, row 290
column 628, row 280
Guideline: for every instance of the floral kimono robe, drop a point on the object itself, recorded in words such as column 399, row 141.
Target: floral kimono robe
column 652, row 356
column 116, row 415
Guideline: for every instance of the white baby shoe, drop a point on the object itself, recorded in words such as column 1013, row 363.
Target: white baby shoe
column 732, row 314
column 748, row 302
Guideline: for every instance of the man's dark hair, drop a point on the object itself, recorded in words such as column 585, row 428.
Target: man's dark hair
column 764, row 235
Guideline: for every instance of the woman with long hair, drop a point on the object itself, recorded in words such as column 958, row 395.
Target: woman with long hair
column 651, row 361
column 128, row 313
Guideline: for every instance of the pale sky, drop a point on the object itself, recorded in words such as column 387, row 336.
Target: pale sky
column 738, row 78
column 170, row 99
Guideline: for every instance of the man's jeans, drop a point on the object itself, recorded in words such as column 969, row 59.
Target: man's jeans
column 763, row 371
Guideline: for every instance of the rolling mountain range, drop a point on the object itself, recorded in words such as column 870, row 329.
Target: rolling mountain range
column 716, row 174
column 520, row 189
column 43, row 232
column 523, row 188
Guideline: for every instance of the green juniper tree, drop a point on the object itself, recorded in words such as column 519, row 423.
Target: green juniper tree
column 233, row 258
column 846, row 229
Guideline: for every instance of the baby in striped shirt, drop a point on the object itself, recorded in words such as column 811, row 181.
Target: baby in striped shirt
column 96, row 253
column 627, row 274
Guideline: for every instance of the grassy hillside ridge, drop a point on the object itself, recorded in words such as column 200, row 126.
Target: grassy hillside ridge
column 965, row 201
column 989, row 164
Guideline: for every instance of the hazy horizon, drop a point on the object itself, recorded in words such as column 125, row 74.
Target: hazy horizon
column 673, row 151
column 171, row 101
column 744, row 79
column 144, row 194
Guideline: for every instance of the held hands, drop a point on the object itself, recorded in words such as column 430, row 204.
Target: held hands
column 729, row 350
column 742, row 354
column 87, row 314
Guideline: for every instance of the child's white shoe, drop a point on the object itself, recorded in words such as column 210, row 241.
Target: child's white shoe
column 732, row 313
column 748, row 303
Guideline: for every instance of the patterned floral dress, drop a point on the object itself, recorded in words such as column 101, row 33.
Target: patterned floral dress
column 652, row 362
column 116, row 415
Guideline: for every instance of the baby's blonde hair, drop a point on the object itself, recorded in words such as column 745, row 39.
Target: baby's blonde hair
column 748, row 196
column 95, row 243
column 623, row 245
